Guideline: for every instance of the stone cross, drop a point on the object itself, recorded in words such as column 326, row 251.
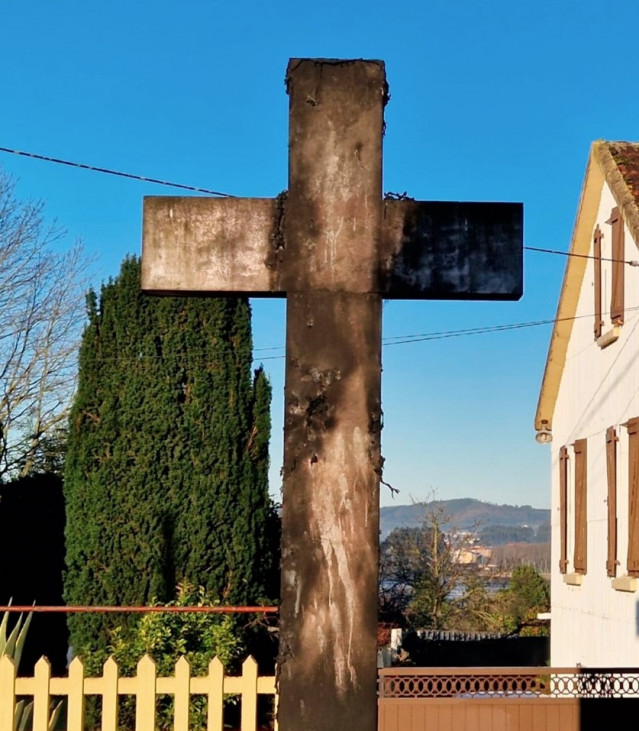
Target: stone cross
column 334, row 247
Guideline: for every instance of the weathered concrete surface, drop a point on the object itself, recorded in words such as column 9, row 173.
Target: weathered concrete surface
column 333, row 210
column 428, row 250
column 210, row 245
column 448, row 250
column 330, row 514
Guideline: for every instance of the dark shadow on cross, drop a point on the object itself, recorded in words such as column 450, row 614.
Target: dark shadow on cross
column 446, row 250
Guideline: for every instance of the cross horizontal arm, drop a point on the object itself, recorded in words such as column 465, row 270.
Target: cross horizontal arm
column 195, row 245
column 447, row 250
column 429, row 250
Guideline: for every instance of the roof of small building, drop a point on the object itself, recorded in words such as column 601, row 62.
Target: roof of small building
column 626, row 157
column 617, row 164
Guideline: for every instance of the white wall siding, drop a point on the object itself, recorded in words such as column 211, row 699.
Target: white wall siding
column 593, row 624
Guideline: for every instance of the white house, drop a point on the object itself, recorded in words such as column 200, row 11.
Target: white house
column 589, row 407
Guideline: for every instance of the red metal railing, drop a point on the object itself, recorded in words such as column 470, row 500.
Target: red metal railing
column 140, row 610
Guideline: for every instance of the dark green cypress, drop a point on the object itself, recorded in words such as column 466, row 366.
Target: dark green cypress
column 167, row 457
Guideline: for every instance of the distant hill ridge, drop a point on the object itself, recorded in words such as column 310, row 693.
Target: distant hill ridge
column 463, row 513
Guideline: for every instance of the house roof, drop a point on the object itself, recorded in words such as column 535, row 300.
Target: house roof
column 616, row 163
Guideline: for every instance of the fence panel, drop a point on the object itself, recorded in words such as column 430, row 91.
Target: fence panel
column 505, row 699
column 42, row 689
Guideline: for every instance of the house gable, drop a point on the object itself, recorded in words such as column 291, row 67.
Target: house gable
column 615, row 164
column 590, row 399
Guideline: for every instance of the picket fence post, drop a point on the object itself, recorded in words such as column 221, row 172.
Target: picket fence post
column 182, row 696
column 249, row 695
column 75, row 710
column 215, row 682
column 110, row 695
column 145, row 707
column 7, row 693
column 41, row 696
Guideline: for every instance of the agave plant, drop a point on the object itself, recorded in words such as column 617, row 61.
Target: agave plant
column 12, row 645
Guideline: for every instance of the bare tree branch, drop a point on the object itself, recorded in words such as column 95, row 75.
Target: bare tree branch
column 42, row 291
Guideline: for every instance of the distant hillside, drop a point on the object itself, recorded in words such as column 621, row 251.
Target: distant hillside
column 464, row 513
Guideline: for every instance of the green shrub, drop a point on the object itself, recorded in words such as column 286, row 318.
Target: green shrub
column 198, row 636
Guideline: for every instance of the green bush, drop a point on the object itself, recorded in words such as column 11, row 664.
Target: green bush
column 527, row 594
column 198, row 636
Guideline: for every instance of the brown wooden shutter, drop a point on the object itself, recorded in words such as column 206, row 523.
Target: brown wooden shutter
column 633, row 496
column 616, row 302
column 611, row 464
column 581, row 527
column 597, row 262
column 563, row 515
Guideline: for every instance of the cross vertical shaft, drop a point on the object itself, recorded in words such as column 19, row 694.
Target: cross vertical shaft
column 330, row 516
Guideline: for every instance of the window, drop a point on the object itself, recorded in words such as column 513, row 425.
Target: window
column 573, row 498
column 563, row 510
column 633, row 496
column 581, row 532
column 616, row 301
column 609, row 279
column 611, row 469
column 597, row 261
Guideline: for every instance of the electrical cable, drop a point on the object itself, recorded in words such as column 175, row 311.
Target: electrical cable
column 119, row 173
column 394, row 340
column 208, row 191
column 629, row 262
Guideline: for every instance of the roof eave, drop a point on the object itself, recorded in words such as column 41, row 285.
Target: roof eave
column 571, row 287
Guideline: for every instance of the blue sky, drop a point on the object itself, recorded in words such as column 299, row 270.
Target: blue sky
column 497, row 100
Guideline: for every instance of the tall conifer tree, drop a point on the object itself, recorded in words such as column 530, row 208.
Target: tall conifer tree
column 166, row 467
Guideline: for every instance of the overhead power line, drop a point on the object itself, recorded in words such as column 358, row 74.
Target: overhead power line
column 119, row 173
column 398, row 340
column 394, row 340
column 629, row 262
column 444, row 334
column 208, row 191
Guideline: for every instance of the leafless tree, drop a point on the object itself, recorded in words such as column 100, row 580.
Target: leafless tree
column 422, row 567
column 42, row 291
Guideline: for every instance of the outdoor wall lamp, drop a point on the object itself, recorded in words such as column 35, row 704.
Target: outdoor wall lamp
column 544, row 435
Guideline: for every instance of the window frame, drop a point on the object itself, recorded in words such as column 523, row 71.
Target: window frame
column 617, row 294
column 632, row 561
column 596, row 243
column 611, row 478
column 563, row 510
column 580, row 556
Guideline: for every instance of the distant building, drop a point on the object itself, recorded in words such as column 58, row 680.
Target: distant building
column 589, row 404
column 474, row 556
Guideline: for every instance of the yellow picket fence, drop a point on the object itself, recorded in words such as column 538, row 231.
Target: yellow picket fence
column 145, row 686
